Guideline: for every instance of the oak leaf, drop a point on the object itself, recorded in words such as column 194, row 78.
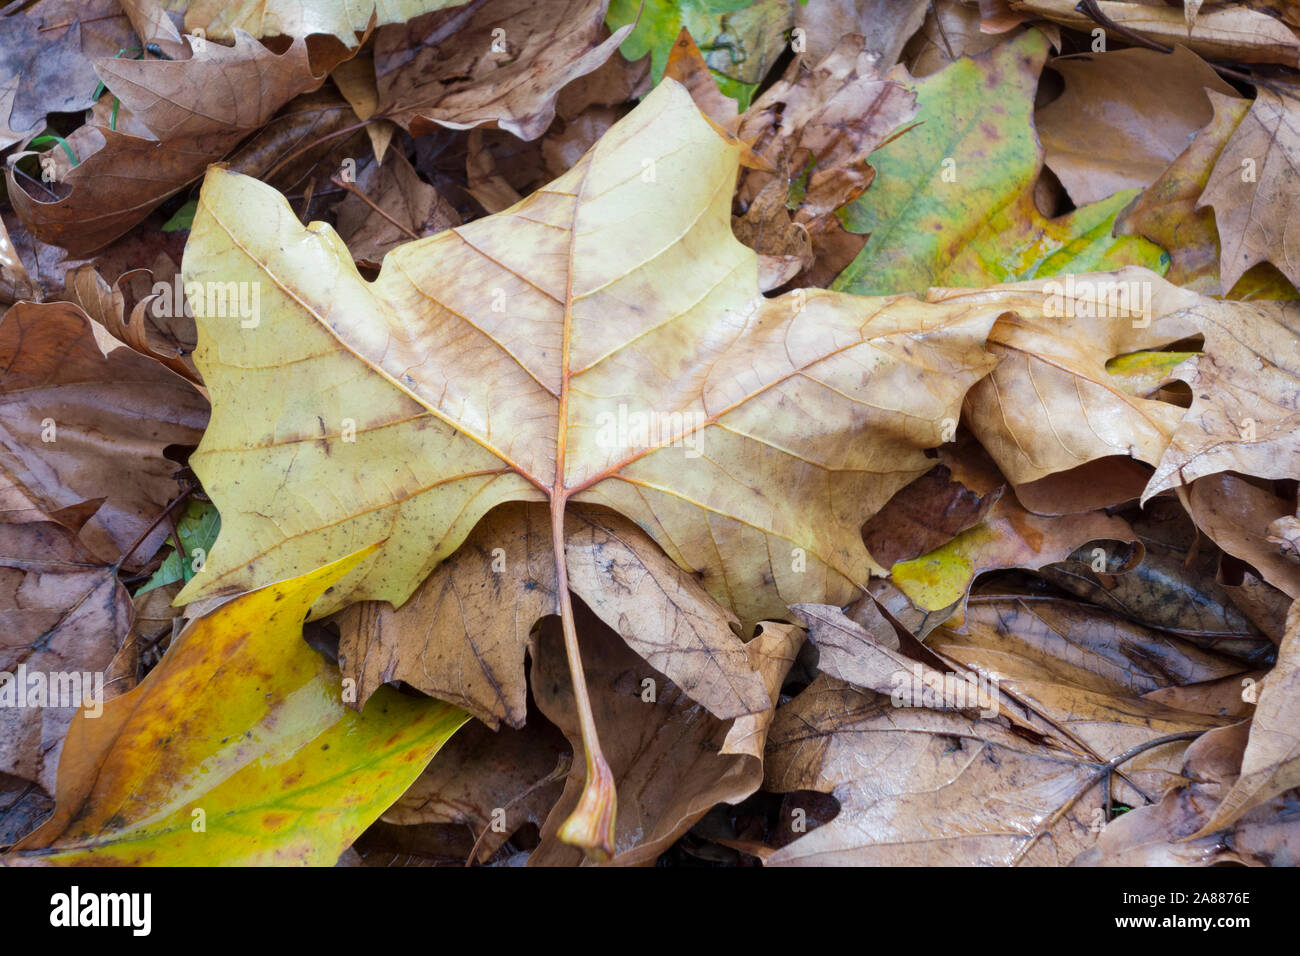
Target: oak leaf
column 1124, row 117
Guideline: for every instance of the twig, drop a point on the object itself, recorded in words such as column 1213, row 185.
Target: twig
column 350, row 187
column 183, row 496
column 314, row 143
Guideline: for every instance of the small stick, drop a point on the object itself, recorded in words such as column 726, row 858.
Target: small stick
column 351, row 187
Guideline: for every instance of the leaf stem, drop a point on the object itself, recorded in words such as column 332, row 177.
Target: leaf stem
column 591, row 825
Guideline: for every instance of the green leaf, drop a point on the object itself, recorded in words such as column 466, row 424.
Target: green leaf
column 952, row 203
column 198, row 529
column 662, row 20
column 183, row 218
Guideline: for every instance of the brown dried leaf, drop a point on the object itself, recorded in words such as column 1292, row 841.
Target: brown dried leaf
column 480, row 771
column 462, row 635
column 195, row 109
column 413, row 207
column 62, row 613
column 107, row 412
column 1124, row 117
column 454, row 69
column 1271, row 762
column 924, row 787
column 671, row 760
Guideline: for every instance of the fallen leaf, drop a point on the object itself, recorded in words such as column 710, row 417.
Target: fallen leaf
column 1252, row 190
column 923, row 787
column 1245, row 413
column 45, row 61
column 459, row 449
column 953, row 203
column 1230, row 32
column 1052, row 404
column 818, row 124
column 500, row 62
column 1236, row 515
column 928, row 513
column 1167, row 211
column 885, row 25
column 1090, row 675
column 168, row 339
column 265, row 754
column 951, row 30
column 220, row 19
column 196, row 109
column 87, row 419
column 463, row 634
column 1006, row 536
column 64, row 617
column 407, row 206
column 1166, row 834
column 1124, row 117
column 492, row 782
column 656, row 24
column 1173, row 587
column 197, row 530
column 671, row 761
column 304, row 144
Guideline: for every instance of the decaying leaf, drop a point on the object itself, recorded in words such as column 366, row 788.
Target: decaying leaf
column 63, row 616
column 671, row 761
column 196, row 110
column 1124, row 117
column 491, row 782
column 1230, row 31
column 87, row 419
column 1167, row 834
column 1245, row 413
column 501, row 62
column 1005, row 536
column 1253, row 187
column 1271, row 762
column 462, row 635
column 1169, row 213
column 925, row 787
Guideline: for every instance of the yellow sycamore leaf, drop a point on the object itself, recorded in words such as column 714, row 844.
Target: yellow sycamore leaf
column 602, row 341
column 236, row 749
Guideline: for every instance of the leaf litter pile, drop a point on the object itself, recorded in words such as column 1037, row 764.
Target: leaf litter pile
column 716, row 433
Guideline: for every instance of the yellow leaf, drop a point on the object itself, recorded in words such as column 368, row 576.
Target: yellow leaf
column 236, row 749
